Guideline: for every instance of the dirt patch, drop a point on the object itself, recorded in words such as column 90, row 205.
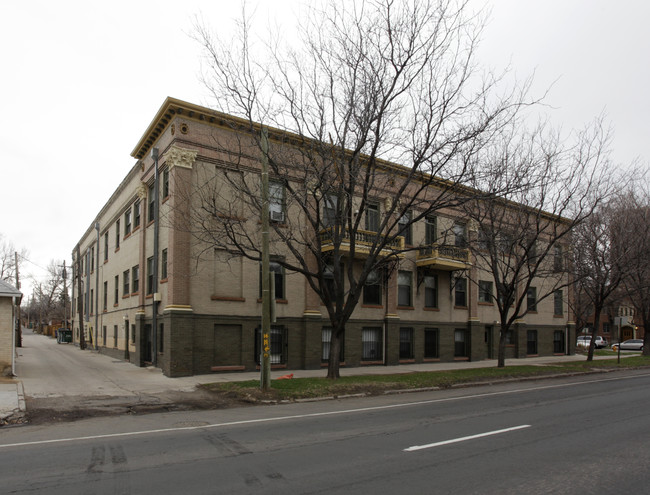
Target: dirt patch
column 65, row 409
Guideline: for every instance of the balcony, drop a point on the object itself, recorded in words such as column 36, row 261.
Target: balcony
column 443, row 257
column 363, row 241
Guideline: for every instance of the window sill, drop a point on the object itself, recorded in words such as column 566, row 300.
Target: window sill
column 480, row 303
column 274, row 367
column 431, row 360
column 407, row 361
column 461, row 307
column 277, row 301
column 562, row 316
column 325, row 364
column 432, row 309
column 372, row 306
column 408, row 308
column 371, row 363
column 231, row 299
column 228, row 368
column 461, row 358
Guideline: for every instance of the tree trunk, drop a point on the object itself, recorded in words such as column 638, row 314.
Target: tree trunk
column 501, row 361
column 594, row 333
column 335, row 353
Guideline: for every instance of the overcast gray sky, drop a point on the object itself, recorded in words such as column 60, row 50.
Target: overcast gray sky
column 82, row 80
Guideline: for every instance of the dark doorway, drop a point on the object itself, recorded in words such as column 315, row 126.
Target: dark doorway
column 148, row 340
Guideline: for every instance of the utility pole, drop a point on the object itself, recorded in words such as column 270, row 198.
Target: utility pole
column 65, row 297
column 80, row 302
column 265, row 364
column 19, row 330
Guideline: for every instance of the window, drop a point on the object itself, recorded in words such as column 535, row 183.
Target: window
column 558, row 342
column 431, row 343
column 483, row 240
column 485, row 292
column 133, row 333
column 606, row 328
column 460, row 292
column 431, row 291
column 161, row 339
column 328, row 280
column 278, row 345
column 372, row 217
column 372, row 289
column 531, row 342
column 136, row 214
column 330, row 205
column 135, row 279
column 558, row 259
column 510, row 337
column 460, row 234
column 104, row 332
column 127, row 222
column 406, row 227
column 430, row 230
column 276, row 201
column 277, row 277
column 106, row 246
column 114, row 335
column 92, row 259
column 152, row 204
column 163, row 267
column 165, row 183
column 126, row 285
column 531, row 299
column 404, row 283
column 558, row 303
column 117, row 289
column 117, row 235
column 105, row 306
column 326, row 337
column 406, row 343
column 371, row 344
column 150, row 275
column 460, row 342
column 92, row 302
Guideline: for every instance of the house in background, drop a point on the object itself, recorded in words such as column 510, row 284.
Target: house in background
column 9, row 301
column 142, row 296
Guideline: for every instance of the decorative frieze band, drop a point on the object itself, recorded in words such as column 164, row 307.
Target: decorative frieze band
column 180, row 157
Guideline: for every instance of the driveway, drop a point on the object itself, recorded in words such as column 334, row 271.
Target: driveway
column 62, row 382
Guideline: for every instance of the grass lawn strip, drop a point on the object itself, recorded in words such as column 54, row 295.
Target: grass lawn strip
column 354, row 386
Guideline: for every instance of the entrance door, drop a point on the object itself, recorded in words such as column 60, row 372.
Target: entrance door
column 489, row 342
column 148, row 342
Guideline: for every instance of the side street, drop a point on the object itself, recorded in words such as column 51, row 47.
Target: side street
column 57, row 382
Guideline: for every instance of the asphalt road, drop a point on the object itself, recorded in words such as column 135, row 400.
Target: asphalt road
column 576, row 435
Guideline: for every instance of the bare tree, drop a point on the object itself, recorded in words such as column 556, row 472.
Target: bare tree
column 49, row 297
column 523, row 235
column 600, row 259
column 369, row 82
column 8, row 259
column 635, row 241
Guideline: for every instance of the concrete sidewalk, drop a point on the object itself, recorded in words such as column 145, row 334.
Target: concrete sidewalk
column 12, row 402
column 47, row 370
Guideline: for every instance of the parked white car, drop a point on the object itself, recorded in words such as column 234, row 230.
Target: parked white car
column 585, row 341
column 630, row 345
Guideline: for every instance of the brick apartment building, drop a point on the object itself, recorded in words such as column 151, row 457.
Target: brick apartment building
column 193, row 316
